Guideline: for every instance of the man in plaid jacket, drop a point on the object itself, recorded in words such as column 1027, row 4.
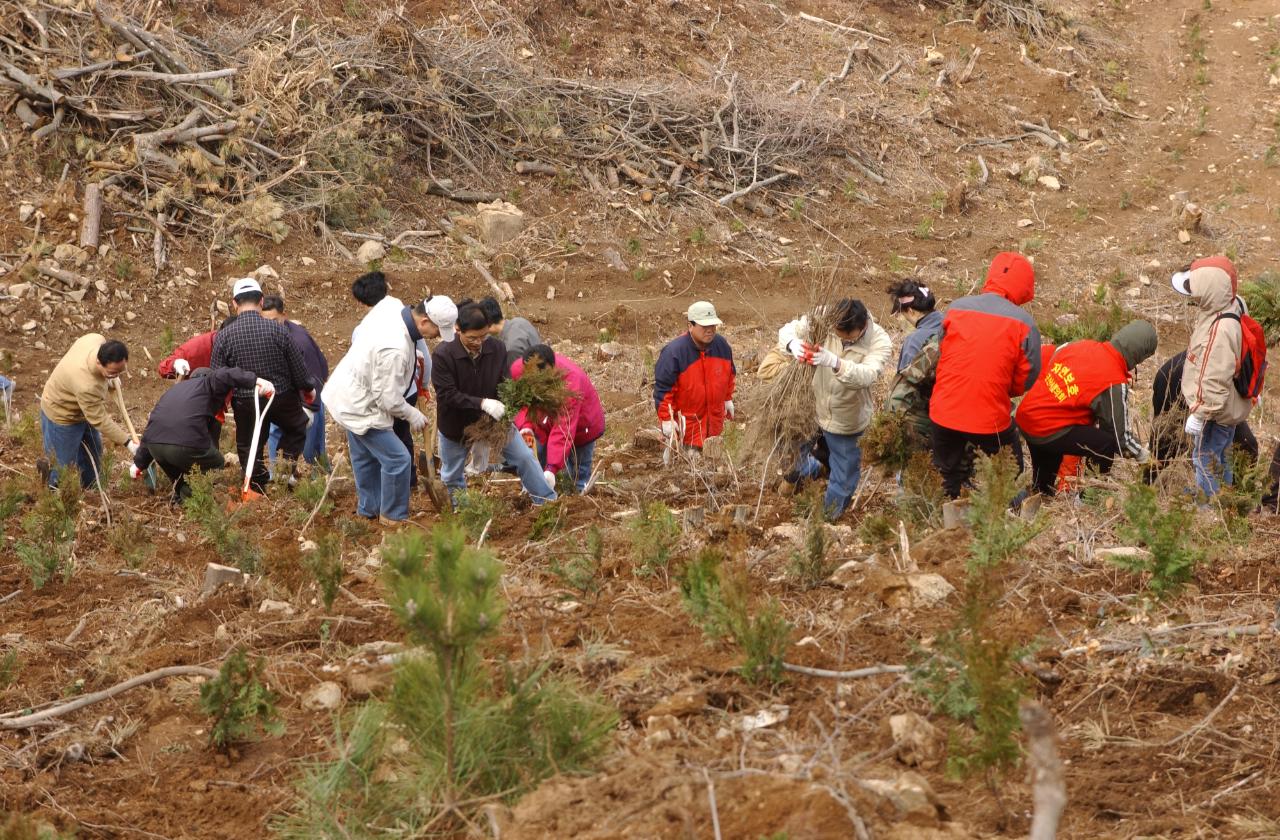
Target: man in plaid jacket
column 265, row 348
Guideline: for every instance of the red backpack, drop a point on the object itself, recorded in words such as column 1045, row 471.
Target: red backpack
column 1251, row 369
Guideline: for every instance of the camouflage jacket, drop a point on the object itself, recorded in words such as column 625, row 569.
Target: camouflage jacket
column 912, row 387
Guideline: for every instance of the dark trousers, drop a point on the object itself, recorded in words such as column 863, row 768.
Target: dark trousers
column 285, row 412
column 1090, row 442
column 953, row 460
column 400, row 428
column 177, row 461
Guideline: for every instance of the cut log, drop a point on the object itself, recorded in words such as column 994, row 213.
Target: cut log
column 23, row 112
column 91, row 223
column 533, row 167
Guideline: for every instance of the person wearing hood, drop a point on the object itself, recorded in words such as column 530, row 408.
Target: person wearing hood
column 365, row 395
column 1214, row 406
column 847, row 366
column 1079, row 405
column 567, row 440
column 989, row 354
column 918, row 359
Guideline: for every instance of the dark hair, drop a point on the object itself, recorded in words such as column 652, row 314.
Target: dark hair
column 227, row 321
column 922, row 299
column 850, row 314
column 370, row 288
column 471, row 318
column 250, row 297
column 543, row 352
column 492, row 310
column 273, row 303
column 420, row 308
column 112, row 352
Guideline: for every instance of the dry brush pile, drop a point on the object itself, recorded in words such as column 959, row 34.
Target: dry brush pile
column 268, row 115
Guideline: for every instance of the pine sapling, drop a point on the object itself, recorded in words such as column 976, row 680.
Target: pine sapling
column 581, row 570
column 239, row 701
column 810, row 565
column 49, row 529
column 655, row 533
column 325, row 565
column 700, row 593
column 1174, row 554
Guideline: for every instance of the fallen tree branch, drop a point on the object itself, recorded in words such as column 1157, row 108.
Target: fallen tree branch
column 26, row 721
column 1049, row 789
column 752, row 187
column 860, row 673
column 805, row 16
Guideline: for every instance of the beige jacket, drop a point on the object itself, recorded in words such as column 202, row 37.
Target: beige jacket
column 844, row 401
column 1213, row 352
column 77, row 391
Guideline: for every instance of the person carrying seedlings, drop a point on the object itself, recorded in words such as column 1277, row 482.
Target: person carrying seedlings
column 1222, row 375
column 518, row 335
column 265, row 348
column 73, row 407
column 1080, row 404
column 182, row 431
column 365, row 396
column 317, row 368
column 693, row 380
column 433, row 317
column 465, row 373
column 989, row 353
column 567, row 439
column 195, row 352
column 918, row 359
column 847, row 366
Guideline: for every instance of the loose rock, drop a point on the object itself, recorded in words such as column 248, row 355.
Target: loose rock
column 323, row 697
column 370, row 251
column 499, row 222
column 281, row 607
column 917, row 741
column 215, row 575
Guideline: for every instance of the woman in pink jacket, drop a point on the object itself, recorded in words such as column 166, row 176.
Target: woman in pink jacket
column 569, row 439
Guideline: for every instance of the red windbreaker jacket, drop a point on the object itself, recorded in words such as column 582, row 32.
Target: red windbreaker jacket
column 197, row 350
column 1071, row 380
column 990, row 351
column 694, row 384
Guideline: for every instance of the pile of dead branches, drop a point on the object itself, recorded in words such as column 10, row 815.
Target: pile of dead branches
column 232, row 131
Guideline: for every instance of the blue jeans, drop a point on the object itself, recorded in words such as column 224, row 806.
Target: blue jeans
column 78, row 443
column 578, row 463
column 381, row 467
column 315, row 438
column 453, row 460
column 1209, row 453
column 845, row 464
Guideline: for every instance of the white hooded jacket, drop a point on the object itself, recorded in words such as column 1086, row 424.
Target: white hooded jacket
column 1213, row 352
column 366, row 390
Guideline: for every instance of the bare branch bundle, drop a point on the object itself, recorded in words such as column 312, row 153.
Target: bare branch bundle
column 488, row 432
column 280, row 118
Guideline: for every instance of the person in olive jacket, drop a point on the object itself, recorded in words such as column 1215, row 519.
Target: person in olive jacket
column 466, row 373
column 182, row 431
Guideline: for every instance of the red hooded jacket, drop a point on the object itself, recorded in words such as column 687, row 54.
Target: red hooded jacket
column 990, row 351
column 1063, row 396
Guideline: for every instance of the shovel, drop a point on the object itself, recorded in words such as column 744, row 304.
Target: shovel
column 427, row 470
column 247, row 495
column 150, row 480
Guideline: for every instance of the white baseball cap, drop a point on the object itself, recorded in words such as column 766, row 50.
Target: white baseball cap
column 443, row 312
column 245, row 285
column 703, row 313
column 1181, row 282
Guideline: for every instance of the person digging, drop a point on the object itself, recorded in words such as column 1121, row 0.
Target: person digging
column 182, row 431
column 73, row 408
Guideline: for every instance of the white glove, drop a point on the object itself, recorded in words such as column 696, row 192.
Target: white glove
column 825, row 358
column 417, row 420
column 182, row 367
column 668, row 428
column 134, row 472
column 550, row 477
column 311, row 415
column 265, row 388
column 132, row 447
column 728, row 409
column 113, row 382
column 1195, row 426
column 796, row 348
column 493, row 408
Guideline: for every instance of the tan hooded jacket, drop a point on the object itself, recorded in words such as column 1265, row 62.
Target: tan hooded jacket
column 1214, row 350
column 845, row 401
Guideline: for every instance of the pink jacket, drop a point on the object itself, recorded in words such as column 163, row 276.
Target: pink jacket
column 581, row 422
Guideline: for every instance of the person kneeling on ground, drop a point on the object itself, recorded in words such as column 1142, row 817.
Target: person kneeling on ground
column 182, row 431
column 848, row 364
column 73, row 407
column 568, row 440
column 465, row 373
column 365, row 395
column 1079, row 405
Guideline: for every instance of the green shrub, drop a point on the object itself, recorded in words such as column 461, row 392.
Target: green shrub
column 474, row 510
column 49, row 531
column 810, row 564
column 700, row 593
column 307, row 494
column 1262, row 294
column 325, row 565
column 1095, row 322
column 654, row 534
column 219, row 527
column 9, row 668
column 581, row 571
column 464, row 735
column 1163, row 531
column 547, row 522
column 239, row 702
column 130, row 540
